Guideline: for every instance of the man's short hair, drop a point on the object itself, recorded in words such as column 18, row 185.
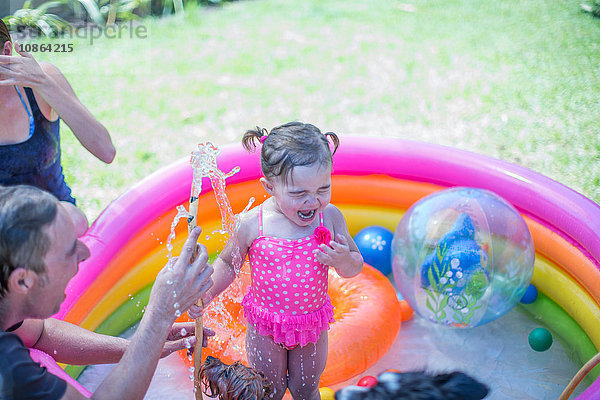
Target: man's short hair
column 24, row 213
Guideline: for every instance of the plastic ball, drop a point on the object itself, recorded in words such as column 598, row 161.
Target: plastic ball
column 375, row 245
column 530, row 295
column 540, row 339
column 367, row 381
column 327, row 393
column 462, row 257
column 406, row 312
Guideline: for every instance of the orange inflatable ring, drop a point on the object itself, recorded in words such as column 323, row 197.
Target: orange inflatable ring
column 362, row 306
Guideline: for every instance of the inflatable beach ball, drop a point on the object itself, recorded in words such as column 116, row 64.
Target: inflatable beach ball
column 462, row 257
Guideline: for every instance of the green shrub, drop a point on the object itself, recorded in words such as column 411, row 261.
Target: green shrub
column 593, row 8
column 99, row 12
column 37, row 19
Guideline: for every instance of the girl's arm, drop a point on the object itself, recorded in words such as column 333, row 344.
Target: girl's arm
column 223, row 276
column 342, row 253
column 224, row 273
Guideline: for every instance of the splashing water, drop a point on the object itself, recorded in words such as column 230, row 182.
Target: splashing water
column 181, row 213
column 204, row 164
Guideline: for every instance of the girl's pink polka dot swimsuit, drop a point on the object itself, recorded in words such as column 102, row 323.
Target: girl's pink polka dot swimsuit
column 288, row 297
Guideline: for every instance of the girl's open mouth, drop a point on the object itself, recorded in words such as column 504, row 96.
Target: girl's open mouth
column 306, row 215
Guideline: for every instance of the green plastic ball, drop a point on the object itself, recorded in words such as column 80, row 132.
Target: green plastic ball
column 540, row 339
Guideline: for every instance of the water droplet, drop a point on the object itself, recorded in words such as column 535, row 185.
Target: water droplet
column 177, row 313
column 191, row 369
column 176, row 305
column 183, row 332
column 169, row 282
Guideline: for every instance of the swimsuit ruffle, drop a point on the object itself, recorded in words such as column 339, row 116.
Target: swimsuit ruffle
column 289, row 330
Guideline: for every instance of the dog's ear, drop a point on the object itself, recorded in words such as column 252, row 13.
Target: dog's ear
column 459, row 386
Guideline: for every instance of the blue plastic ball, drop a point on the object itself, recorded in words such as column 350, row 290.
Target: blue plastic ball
column 530, row 294
column 375, row 245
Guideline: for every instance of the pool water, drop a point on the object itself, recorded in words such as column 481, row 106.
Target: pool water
column 497, row 354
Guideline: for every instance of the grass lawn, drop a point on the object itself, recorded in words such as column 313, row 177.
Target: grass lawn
column 514, row 80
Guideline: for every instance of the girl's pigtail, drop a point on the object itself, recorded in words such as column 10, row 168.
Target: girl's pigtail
column 334, row 139
column 252, row 136
column 263, row 135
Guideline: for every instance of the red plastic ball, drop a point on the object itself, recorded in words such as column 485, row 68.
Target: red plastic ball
column 367, row 381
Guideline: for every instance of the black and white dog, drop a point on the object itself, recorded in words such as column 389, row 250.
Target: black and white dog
column 417, row 386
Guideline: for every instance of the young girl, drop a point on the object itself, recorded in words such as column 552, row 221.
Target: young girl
column 291, row 240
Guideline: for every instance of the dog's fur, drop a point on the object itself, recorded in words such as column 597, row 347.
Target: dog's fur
column 233, row 382
column 418, row 386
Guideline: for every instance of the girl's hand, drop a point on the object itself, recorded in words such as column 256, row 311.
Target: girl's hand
column 336, row 255
column 21, row 71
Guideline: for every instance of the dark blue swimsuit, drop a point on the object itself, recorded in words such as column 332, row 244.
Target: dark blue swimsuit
column 36, row 161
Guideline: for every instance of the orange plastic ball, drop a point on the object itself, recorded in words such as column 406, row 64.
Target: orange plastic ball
column 406, row 312
column 393, row 370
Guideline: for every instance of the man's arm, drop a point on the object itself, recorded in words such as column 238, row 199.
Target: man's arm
column 177, row 286
column 72, row 344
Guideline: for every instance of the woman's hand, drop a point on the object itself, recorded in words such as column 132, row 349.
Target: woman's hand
column 21, row 71
column 50, row 85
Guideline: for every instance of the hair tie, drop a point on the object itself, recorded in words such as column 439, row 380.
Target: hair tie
column 262, row 139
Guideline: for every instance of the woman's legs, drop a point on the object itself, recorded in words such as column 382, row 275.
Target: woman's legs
column 268, row 357
column 305, row 365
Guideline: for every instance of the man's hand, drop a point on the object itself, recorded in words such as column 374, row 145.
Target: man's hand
column 181, row 282
column 182, row 337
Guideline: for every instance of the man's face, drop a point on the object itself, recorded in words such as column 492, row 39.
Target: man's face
column 62, row 262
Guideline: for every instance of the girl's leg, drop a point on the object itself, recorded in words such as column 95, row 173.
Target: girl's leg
column 305, row 366
column 268, row 357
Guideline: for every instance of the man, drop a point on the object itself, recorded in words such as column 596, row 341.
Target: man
column 39, row 254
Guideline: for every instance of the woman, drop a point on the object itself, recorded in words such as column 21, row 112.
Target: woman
column 33, row 98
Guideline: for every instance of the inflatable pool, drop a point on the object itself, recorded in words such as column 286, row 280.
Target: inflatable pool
column 374, row 181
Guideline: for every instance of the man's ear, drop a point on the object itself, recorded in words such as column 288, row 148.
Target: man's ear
column 21, row 280
column 267, row 185
column 7, row 48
